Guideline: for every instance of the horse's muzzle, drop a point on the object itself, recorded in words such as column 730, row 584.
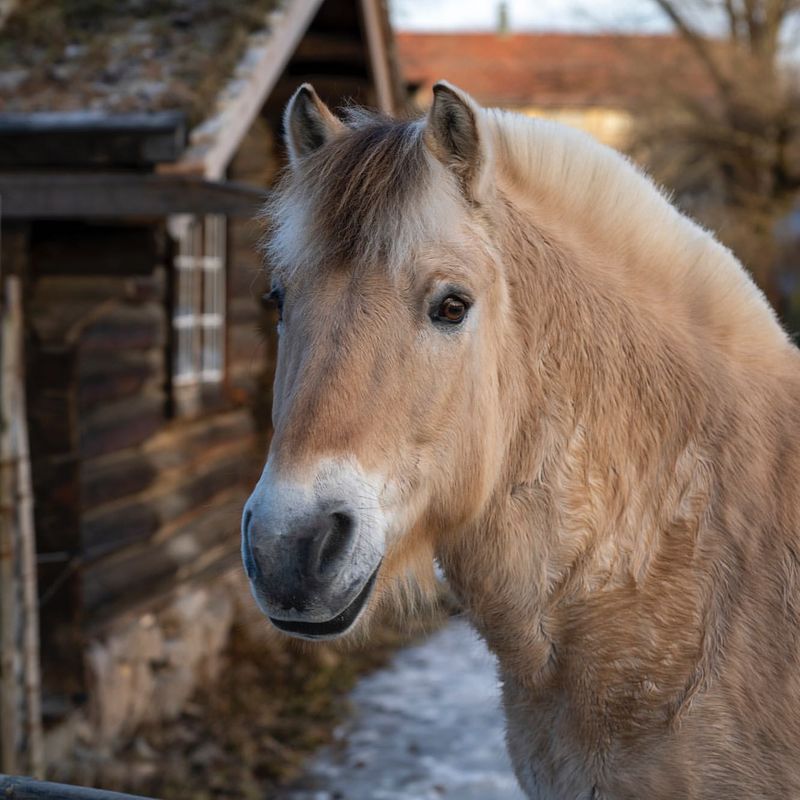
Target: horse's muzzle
column 312, row 561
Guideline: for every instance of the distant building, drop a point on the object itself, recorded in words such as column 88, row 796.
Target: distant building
column 590, row 81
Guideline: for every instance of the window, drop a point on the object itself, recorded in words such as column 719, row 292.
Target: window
column 198, row 317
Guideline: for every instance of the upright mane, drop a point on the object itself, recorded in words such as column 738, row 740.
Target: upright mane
column 616, row 203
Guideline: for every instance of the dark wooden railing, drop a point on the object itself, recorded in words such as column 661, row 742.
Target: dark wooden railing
column 16, row 788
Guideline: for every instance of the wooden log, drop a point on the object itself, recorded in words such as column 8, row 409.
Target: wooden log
column 105, row 480
column 183, row 442
column 117, row 426
column 91, row 138
column 20, row 692
column 212, row 533
column 10, row 705
column 107, row 377
column 16, row 788
column 64, row 307
column 175, row 495
column 107, row 196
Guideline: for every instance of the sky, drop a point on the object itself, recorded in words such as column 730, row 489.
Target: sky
column 574, row 15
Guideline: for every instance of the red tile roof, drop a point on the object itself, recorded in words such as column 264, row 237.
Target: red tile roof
column 550, row 69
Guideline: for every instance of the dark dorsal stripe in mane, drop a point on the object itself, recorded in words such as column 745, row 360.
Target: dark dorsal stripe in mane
column 354, row 190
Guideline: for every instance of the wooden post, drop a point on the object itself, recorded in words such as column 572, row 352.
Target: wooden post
column 21, row 747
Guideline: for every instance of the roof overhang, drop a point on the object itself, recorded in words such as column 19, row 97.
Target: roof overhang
column 91, row 139
column 41, row 196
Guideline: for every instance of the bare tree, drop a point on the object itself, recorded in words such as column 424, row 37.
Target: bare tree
column 730, row 147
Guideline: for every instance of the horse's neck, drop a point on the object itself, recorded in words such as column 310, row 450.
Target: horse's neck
column 632, row 378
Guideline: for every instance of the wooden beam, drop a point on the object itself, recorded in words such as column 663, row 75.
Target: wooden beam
column 110, row 195
column 91, row 139
column 375, row 35
column 214, row 142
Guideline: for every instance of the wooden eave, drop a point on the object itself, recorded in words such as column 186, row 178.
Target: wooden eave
column 42, row 195
column 90, row 139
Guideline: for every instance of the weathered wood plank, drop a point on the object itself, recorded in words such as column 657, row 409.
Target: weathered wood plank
column 66, row 308
column 107, row 377
column 105, row 480
column 106, row 196
column 117, row 426
column 86, row 138
column 176, row 447
column 110, row 529
column 128, row 327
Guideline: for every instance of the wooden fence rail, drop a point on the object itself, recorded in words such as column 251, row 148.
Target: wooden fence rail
column 17, row 788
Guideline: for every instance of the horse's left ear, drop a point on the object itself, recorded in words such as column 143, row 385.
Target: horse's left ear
column 457, row 134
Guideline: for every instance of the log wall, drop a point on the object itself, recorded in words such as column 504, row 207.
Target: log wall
column 131, row 500
column 138, row 500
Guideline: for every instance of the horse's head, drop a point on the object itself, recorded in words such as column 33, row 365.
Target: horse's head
column 386, row 429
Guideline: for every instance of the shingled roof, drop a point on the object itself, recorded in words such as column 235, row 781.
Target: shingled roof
column 214, row 61
column 548, row 69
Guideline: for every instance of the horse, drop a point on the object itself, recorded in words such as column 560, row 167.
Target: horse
column 503, row 350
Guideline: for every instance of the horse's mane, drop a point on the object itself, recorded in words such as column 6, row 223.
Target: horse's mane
column 588, row 181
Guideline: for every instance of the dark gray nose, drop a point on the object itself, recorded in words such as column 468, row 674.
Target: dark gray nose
column 322, row 544
column 292, row 566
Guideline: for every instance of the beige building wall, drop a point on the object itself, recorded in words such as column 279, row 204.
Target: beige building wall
column 612, row 126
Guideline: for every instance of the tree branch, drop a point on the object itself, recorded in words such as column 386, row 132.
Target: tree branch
column 696, row 42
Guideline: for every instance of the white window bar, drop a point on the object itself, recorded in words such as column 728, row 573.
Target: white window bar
column 199, row 309
column 212, row 320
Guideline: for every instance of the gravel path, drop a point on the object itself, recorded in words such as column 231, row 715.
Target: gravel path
column 427, row 727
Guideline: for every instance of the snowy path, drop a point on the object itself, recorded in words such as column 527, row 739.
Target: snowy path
column 427, row 727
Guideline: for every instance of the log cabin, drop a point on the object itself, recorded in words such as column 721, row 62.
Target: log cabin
column 136, row 147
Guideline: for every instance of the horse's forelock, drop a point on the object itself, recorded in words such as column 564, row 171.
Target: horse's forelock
column 363, row 198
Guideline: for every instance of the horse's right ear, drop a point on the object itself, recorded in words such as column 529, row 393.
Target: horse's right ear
column 307, row 123
column 457, row 135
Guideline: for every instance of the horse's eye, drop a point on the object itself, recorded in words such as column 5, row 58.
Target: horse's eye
column 273, row 299
column 451, row 310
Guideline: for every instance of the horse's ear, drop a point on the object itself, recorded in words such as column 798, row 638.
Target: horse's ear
column 457, row 135
column 307, row 123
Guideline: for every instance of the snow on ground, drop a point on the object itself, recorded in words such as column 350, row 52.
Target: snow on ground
column 427, row 727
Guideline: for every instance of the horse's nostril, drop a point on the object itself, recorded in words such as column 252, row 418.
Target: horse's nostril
column 335, row 542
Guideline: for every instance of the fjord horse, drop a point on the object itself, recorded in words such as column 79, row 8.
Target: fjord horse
column 502, row 348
